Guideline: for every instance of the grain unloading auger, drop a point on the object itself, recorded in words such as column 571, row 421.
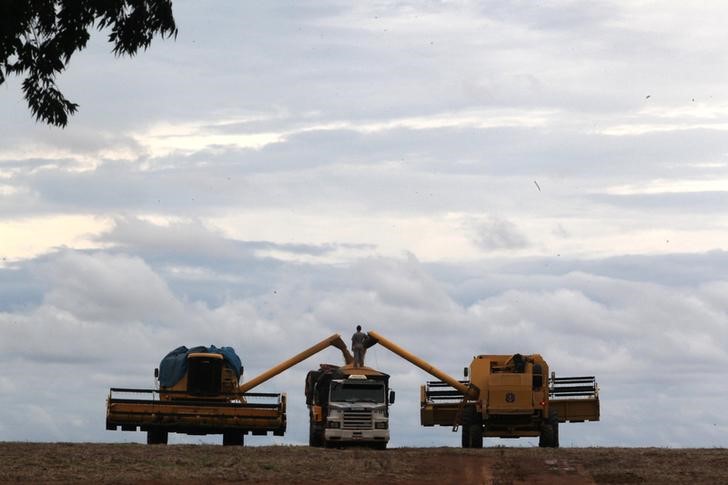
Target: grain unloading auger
column 506, row 396
column 199, row 393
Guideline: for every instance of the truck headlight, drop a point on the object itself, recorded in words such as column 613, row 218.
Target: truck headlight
column 333, row 424
column 380, row 425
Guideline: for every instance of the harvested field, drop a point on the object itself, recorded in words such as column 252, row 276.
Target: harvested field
column 135, row 463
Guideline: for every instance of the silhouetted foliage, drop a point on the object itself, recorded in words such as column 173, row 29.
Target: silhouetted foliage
column 38, row 37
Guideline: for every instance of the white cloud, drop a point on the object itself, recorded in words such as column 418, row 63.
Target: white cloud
column 496, row 234
column 24, row 238
column 102, row 286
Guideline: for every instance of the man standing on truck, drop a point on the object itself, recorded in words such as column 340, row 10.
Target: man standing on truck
column 358, row 341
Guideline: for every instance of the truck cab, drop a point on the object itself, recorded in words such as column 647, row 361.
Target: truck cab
column 348, row 406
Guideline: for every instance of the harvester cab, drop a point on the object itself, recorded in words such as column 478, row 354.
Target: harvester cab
column 209, row 372
column 512, row 383
column 207, row 375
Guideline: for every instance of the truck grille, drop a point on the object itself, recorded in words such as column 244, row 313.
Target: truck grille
column 357, row 420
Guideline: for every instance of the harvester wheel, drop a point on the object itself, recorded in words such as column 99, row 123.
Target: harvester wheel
column 233, row 438
column 465, row 436
column 476, row 435
column 156, row 436
column 472, row 436
column 546, row 437
column 555, row 425
column 549, row 437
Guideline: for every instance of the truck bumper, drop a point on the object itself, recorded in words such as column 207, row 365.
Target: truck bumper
column 362, row 436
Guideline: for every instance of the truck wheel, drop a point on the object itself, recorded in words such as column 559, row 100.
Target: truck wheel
column 315, row 437
column 311, row 438
column 233, row 438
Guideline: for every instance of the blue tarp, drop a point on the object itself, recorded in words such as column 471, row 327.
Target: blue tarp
column 174, row 365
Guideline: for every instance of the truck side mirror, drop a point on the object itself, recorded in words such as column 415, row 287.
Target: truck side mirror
column 391, row 397
column 465, row 371
column 156, row 372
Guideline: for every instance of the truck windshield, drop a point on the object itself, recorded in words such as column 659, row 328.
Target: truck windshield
column 349, row 392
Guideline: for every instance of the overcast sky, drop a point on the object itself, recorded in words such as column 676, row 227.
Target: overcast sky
column 463, row 177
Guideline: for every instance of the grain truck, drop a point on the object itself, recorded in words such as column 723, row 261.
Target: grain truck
column 503, row 396
column 199, row 392
column 348, row 406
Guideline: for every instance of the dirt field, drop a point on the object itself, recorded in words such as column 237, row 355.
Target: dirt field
column 134, row 463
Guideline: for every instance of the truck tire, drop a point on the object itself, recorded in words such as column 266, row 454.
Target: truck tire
column 233, row 438
column 315, row 436
column 156, row 436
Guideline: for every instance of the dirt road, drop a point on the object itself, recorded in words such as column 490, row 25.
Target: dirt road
column 134, row 463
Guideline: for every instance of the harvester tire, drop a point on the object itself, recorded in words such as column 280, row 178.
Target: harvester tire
column 546, row 437
column 476, row 435
column 233, row 438
column 555, row 425
column 465, row 436
column 549, row 437
column 156, row 436
column 472, row 433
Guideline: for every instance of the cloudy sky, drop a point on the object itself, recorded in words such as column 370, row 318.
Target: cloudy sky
column 464, row 177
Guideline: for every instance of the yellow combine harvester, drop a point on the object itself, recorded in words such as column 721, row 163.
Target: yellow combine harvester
column 204, row 396
column 506, row 396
